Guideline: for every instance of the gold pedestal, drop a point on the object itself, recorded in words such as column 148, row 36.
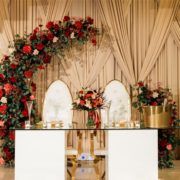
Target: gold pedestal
column 157, row 116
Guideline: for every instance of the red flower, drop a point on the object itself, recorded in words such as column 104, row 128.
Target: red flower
column 13, row 66
column 8, row 88
column 2, row 77
column 81, row 92
column 12, row 79
column 3, row 109
column 67, row 33
column 33, row 37
column 56, row 27
column 80, row 34
column 36, row 30
column 11, row 135
column 23, row 99
column 66, row 18
column 2, row 133
column 154, row 103
column 47, row 59
column 78, row 24
column 25, row 113
column 140, row 84
column 50, row 25
column 82, row 102
column 40, row 46
column 41, row 67
column 1, row 93
column 7, row 152
column 28, row 74
column 94, row 42
column 27, row 49
column 50, row 36
column 88, row 95
column 33, row 85
column 90, row 20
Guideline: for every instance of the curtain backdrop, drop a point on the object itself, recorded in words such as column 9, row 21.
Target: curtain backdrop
column 141, row 41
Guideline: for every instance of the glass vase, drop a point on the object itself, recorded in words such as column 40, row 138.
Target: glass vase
column 93, row 119
column 29, row 107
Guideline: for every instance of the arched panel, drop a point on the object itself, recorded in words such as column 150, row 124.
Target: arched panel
column 118, row 98
column 58, row 103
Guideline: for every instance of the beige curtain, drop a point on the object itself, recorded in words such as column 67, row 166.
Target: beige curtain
column 164, row 19
column 6, row 32
column 175, row 30
column 112, row 15
column 53, row 9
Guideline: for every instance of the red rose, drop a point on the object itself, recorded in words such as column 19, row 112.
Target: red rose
column 80, row 34
column 36, row 30
column 88, row 95
column 81, row 92
column 23, row 99
column 13, row 66
column 27, row 49
column 56, row 27
column 67, row 33
column 50, row 36
column 140, row 84
column 154, row 103
column 33, row 37
column 28, row 74
column 25, row 113
column 1, row 93
column 90, row 20
column 11, row 135
column 82, row 102
column 47, row 59
column 2, row 77
column 41, row 67
column 33, row 86
column 8, row 88
column 66, row 18
column 40, row 46
column 8, row 153
column 3, row 109
column 12, row 79
column 78, row 24
column 2, row 133
column 50, row 24
column 94, row 42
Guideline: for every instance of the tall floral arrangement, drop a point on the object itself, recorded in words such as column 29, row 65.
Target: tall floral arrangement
column 89, row 100
column 146, row 96
column 33, row 52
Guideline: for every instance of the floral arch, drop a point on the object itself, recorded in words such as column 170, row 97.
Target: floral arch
column 31, row 53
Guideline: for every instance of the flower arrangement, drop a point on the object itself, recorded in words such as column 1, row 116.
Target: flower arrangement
column 89, row 100
column 31, row 53
column 146, row 96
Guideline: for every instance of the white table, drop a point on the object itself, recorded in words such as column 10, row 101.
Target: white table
column 132, row 155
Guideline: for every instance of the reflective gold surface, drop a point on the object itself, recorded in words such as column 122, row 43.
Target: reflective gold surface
column 156, row 116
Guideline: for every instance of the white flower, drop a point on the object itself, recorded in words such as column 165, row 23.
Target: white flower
column 77, row 101
column 4, row 100
column 94, row 96
column 55, row 39
column 35, row 52
column 155, row 95
column 88, row 104
column 72, row 35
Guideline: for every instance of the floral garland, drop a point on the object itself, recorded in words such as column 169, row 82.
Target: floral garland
column 31, row 53
column 145, row 96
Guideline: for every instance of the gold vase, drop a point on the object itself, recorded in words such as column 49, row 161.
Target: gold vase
column 157, row 116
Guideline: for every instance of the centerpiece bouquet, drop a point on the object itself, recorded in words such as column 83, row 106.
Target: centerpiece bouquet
column 89, row 100
column 145, row 96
